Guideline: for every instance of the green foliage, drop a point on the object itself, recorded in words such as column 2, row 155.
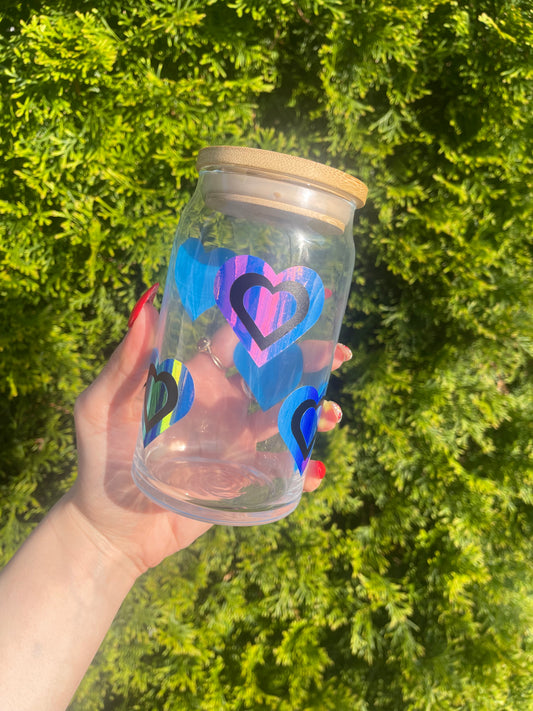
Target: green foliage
column 99, row 133
column 405, row 583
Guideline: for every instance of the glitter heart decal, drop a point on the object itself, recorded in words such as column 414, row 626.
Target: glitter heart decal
column 267, row 311
column 168, row 397
column 297, row 422
column 195, row 273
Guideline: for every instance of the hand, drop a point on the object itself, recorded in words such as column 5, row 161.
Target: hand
column 107, row 417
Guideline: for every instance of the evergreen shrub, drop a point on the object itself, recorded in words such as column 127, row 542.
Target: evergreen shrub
column 405, row 583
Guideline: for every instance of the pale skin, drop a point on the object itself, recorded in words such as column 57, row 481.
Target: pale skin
column 62, row 589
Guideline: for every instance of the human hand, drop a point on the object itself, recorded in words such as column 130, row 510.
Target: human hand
column 107, row 417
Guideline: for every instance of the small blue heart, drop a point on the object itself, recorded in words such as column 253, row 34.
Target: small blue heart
column 275, row 379
column 195, row 273
column 298, row 421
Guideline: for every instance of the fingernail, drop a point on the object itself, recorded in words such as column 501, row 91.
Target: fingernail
column 327, row 293
column 330, row 406
column 346, row 352
column 147, row 298
column 336, row 411
column 320, row 470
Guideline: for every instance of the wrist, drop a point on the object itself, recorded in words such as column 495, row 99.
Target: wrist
column 92, row 554
column 60, row 593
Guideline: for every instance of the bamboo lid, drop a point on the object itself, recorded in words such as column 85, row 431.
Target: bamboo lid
column 281, row 164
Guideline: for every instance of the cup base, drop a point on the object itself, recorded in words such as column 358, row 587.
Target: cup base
column 217, row 492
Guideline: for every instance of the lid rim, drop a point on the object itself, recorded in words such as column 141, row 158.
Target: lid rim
column 283, row 164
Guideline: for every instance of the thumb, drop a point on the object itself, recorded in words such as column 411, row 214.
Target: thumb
column 125, row 371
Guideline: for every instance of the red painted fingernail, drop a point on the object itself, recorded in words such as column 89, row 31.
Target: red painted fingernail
column 320, row 470
column 147, row 298
column 327, row 293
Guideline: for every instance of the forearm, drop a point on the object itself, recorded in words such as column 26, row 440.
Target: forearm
column 58, row 597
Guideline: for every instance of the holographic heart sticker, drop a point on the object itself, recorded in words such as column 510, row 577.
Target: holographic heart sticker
column 267, row 311
column 297, row 422
column 274, row 380
column 168, row 397
column 195, row 273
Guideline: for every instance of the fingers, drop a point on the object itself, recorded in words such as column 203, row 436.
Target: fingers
column 126, row 369
column 265, row 423
column 341, row 355
column 317, row 355
column 223, row 344
column 314, row 473
column 132, row 357
column 330, row 416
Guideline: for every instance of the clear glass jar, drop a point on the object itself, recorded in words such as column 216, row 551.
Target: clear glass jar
column 257, row 285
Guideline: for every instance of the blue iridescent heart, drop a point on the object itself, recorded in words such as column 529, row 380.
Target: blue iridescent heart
column 298, row 421
column 168, row 396
column 275, row 379
column 195, row 273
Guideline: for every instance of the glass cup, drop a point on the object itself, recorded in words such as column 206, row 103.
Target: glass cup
column 257, row 285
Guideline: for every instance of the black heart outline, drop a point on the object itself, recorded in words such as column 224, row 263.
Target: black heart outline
column 171, row 387
column 247, row 281
column 296, row 426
